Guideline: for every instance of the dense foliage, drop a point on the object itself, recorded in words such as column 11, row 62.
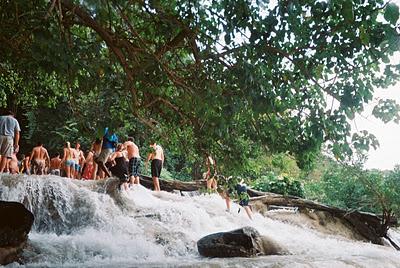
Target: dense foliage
column 279, row 184
column 234, row 78
column 354, row 188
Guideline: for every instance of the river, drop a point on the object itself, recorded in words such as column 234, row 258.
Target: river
column 90, row 224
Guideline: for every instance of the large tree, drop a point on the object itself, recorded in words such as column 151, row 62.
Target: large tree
column 230, row 77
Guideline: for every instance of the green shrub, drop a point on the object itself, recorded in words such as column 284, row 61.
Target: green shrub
column 284, row 185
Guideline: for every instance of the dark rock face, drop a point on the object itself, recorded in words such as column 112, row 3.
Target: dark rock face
column 244, row 242
column 15, row 223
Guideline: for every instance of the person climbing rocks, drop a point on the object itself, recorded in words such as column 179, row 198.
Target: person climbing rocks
column 237, row 190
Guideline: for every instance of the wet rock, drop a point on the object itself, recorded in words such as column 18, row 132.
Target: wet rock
column 15, row 223
column 244, row 242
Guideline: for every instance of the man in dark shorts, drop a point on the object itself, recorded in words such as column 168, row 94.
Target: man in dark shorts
column 134, row 161
column 39, row 159
column 157, row 161
column 9, row 138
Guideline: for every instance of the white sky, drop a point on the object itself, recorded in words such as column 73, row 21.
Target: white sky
column 388, row 135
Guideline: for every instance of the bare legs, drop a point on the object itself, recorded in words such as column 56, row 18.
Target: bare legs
column 104, row 168
column 134, row 180
column 156, row 184
column 212, row 184
column 248, row 211
column 227, row 201
column 3, row 163
column 228, row 205
column 68, row 171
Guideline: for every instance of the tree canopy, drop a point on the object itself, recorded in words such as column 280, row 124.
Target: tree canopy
column 233, row 78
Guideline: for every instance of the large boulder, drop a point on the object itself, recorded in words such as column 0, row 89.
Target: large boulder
column 15, row 223
column 244, row 242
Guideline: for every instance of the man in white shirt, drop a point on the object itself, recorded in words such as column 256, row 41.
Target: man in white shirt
column 157, row 162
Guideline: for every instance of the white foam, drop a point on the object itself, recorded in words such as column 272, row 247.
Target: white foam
column 85, row 223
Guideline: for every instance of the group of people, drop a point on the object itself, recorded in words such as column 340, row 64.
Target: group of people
column 105, row 158
column 227, row 187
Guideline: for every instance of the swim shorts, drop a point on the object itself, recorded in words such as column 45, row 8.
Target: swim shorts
column 156, row 166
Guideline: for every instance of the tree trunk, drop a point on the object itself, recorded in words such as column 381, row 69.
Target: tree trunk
column 367, row 225
column 171, row 185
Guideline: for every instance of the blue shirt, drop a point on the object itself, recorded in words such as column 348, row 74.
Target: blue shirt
column 8, row 125
column 110, row 141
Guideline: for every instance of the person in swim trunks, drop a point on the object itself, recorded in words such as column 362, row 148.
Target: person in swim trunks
column 69, row 163
column 79, row 159
column 157, row 162
column 134, row 161
column 39, row 159
column 55, row 165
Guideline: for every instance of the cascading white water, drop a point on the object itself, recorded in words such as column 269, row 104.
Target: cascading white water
column 90, row 223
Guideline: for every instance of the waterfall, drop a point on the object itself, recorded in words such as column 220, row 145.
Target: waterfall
column 92, row 223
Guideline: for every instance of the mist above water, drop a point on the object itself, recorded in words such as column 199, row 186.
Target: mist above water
column 90, row 223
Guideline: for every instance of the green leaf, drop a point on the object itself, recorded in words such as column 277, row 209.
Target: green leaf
column 364, row 37
column 391, row 13
column 347, row 11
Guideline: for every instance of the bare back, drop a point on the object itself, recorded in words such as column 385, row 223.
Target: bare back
column 75, row 154
column 132, row 149
column 67, row 154
column 39, row 153
column 55, row 163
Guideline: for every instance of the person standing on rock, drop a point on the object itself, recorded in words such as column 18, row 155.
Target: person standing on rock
column 157, row 162
column 110, row 141
column 79, row 159
column 26, row 166
column 211, row 174
column 9, row 138
column 67, row 159
column 39, row 158
column 55, row 165
column 134, row 161
column 120, row 166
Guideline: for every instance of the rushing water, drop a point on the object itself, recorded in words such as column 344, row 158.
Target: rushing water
column 91, row 224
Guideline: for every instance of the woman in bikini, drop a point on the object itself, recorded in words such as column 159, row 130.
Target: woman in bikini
column 68, row 161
